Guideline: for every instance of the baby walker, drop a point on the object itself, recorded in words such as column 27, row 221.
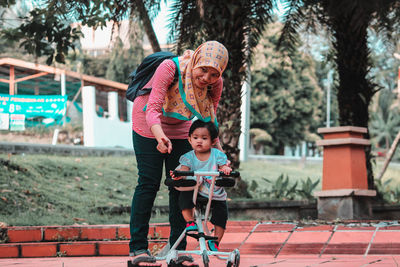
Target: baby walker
column 203, row 234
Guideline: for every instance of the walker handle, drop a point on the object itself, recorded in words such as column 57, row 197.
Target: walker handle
column 194, row 173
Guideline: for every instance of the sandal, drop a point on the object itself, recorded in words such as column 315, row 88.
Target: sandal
column 181, row 260
column 213, row 245
column 191, row 227
column 146, row 258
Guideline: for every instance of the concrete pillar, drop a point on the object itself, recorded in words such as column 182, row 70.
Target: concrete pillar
column 113, row 105
column 88, row 114
column 345, row 193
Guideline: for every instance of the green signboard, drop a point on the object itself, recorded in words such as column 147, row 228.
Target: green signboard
column 35, row 108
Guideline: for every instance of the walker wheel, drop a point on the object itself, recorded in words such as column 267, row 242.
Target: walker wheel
column 234, row 259
column 206, row 260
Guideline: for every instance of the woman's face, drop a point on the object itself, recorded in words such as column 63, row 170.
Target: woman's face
column 204, row 76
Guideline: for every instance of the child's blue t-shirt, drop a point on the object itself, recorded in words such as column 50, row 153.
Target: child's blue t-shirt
column 217, row 158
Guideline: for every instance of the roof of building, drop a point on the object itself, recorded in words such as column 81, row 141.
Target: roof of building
column 28, row 74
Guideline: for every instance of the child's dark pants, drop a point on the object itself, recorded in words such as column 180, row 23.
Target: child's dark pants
column 219, row 208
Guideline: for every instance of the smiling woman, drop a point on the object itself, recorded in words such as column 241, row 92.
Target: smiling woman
column 204, row 76
column 160, row 124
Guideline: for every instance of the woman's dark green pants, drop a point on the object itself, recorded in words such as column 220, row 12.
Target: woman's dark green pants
column 150, row 165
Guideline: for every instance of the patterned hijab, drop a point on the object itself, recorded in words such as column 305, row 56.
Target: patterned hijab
column 184, row 100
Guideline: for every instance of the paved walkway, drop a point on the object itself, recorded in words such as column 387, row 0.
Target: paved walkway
column 245, row 261
column 366, row 243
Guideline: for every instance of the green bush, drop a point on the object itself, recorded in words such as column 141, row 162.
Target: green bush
column 386, row 192
column 281, row 189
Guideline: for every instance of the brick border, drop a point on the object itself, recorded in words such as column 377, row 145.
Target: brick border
column 251, row 237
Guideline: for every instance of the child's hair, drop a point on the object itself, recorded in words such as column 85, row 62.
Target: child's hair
column 208, row 125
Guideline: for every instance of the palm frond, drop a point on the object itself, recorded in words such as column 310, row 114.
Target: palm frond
column 294, row 17
column 260, row 14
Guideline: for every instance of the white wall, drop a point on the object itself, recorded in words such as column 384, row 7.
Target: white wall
column 104, row 132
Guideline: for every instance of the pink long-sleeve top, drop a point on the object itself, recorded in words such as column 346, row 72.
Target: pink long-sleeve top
column 160, row 82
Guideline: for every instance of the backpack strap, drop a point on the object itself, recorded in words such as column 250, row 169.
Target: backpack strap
column 177, row 72
column 177, row 76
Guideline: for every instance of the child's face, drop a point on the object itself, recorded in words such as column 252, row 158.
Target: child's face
column 200, row 140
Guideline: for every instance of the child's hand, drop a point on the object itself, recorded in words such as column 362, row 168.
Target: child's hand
column 174, row 177
column 225, row 169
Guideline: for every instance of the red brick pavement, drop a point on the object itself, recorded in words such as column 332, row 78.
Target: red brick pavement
column 260, row 244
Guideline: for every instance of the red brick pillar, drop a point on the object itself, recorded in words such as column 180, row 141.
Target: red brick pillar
column 345, row 193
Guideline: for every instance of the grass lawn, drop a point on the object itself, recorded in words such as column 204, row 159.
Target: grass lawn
column 297, row 170
column 53, row 190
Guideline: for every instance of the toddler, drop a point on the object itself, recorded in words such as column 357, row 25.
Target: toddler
column 202, row 137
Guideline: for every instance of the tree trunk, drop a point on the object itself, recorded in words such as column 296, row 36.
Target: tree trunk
column 354, row 91
column 228, row 22
column 389, row 155
column 229, row 115
column 148, row 28
column 229, row 108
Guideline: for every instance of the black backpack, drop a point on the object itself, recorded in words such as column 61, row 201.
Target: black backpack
column 142, row 75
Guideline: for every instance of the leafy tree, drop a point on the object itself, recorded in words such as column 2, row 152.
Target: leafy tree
column 347, row 22
column 124, row 61
column 384, row 65
column 319, row 48
column 385, row 119
column 285, row 97
column 9, row 13
column 115, row 69
column 259, row 139
column 47, row 29
column 95, row 66
column 139, row 7
column 118, row 64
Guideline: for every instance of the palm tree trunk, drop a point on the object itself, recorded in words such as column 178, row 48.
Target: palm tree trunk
column 148, row 28
column 355, row 91
column 389, row 156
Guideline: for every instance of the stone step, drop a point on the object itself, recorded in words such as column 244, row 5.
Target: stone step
column 71, row 249
column 20, row 234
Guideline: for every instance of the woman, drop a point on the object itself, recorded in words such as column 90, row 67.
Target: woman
column 160, row 123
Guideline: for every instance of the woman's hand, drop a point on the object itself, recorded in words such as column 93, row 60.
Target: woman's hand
column 164, row 145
